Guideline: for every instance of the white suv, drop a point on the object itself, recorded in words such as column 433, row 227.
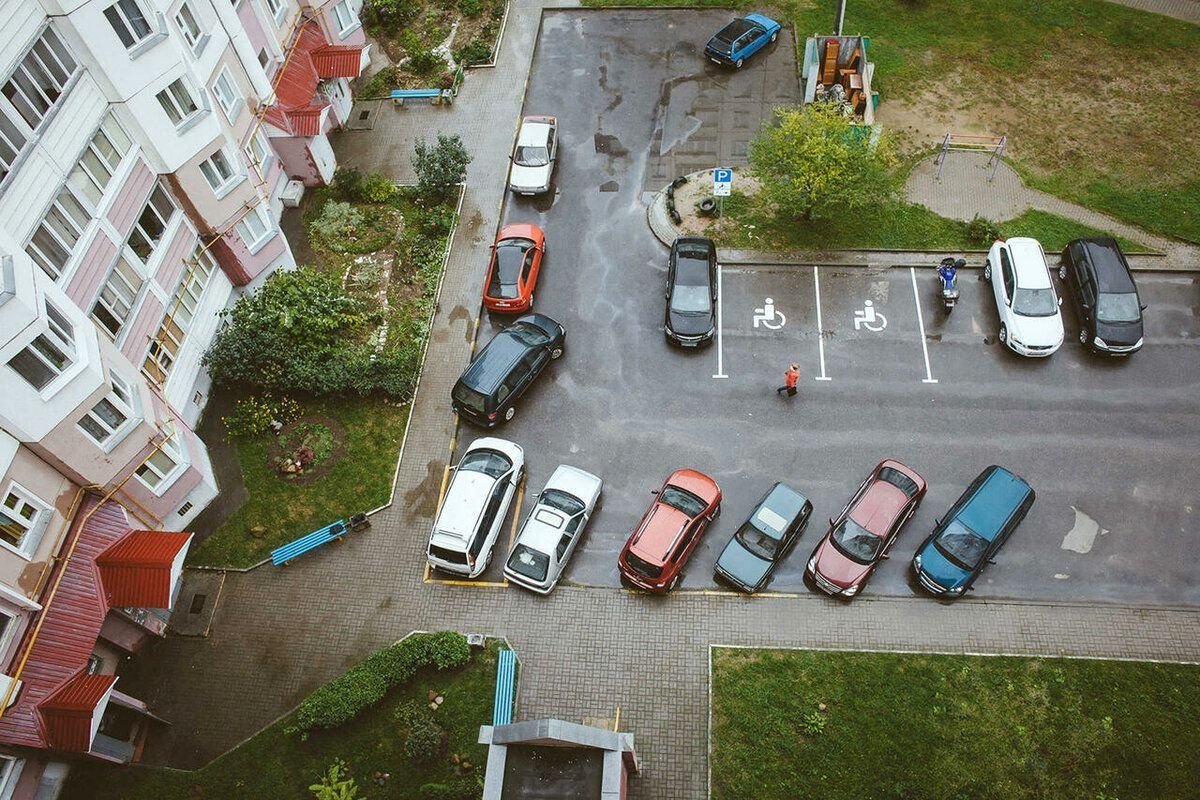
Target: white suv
column 475, row 506
column 1030, row 322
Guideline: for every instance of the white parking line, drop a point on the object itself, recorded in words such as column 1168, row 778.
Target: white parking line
column 820, row 328
column 921, row 323
column 720, row 339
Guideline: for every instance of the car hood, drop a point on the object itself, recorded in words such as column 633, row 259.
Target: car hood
column 1121, row 334
column 1040, row 331
column 739, row 564
column 529, row 177
column 690, row 324
column 939, row 569
column 836, row 568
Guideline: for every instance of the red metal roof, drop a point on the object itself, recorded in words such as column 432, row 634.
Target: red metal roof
column 297, row 109
column 67, row 714
column 136, row 570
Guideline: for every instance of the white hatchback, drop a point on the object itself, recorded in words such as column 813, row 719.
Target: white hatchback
column 553, row 529
column 534, row 155
column 475, row 506
column 1030, row 321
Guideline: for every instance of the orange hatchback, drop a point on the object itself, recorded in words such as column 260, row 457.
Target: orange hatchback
column 665, row 538
column 513, row 271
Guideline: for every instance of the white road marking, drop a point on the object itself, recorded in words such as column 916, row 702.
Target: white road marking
column 820, row 328
column 720, row 338
column 921, row 322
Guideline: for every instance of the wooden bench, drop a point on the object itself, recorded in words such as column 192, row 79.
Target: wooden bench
column 506, row 680
column 400, row 95
column 284, row 554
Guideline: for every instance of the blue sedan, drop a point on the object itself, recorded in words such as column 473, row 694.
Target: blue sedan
column 742, row 38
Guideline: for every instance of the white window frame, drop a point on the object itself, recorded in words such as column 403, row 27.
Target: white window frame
column 123, row 401
column 160, row 194
column 221, row 179
column 10, row 773
column 118, row 294
column 26, row 102
column 11, row 623
column 59, row 336
column 351, row 20
column 120, row 13
column 277, row 9
column 177, row 319
column 193, row 34
column 173, row 450
column 103, row 154
column 254, row 242
column 259, row 152
column 37, row 524
column 177, row 113
column 64, row 224
column 229, row 96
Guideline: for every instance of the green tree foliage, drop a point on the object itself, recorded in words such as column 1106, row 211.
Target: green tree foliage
column 813, row 162
column 440, row 166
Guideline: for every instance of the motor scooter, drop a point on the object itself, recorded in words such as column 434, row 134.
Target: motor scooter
column 948, row 280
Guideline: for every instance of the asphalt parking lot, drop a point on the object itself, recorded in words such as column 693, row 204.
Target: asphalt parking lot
column 1109, row 445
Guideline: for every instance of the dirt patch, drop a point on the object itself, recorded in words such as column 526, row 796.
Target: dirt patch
column 337, row 450
column 699, row 187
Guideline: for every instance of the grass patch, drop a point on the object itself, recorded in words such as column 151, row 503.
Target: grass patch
column 277, row 766
column 283, row 510
column 930, row 726
column 1054, row 231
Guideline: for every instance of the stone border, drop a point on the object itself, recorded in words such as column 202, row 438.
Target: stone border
column 499, row 40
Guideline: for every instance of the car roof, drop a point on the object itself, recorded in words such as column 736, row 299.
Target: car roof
column 657, row 536
column 493, row 362
column 533, row 134
column 1029, row 263
column 1000, row 494
column 878, row 507
column 1112, row 272
column 540, row 535
column 465, row 498
column 735, row 29
column 784, row 501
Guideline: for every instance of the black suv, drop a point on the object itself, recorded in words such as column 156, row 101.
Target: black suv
column 1101, row 285
column 690, row 318
column 488, row 390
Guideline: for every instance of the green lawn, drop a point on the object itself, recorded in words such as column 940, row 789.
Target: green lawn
column 286, row 509
column 948, row 727
column 277, row 766
column 1094, row 97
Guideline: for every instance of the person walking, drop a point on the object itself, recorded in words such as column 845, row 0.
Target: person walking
column 791, row 378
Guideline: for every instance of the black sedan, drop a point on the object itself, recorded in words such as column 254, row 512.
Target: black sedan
column 489, row 388
column 691, row 319
column 1105, row 297
column 764, row 539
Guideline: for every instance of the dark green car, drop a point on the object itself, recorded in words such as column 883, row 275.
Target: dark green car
column 764, row 539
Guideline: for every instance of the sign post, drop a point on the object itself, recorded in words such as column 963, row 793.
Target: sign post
column 722, row 187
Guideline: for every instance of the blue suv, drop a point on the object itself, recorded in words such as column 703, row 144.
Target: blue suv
column 968, row 537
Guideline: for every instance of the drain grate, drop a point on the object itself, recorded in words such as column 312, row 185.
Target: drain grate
column 198, row 601
column 364, row 115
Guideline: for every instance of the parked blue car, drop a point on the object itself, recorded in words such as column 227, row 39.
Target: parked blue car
column 968, row 537
column 740, row 39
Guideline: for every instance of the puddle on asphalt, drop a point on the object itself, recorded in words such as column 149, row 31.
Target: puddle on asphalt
column 1081, row 537
column 609, row 145
column 610, row 186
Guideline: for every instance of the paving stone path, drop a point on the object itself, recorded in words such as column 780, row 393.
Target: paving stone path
column 279, row 633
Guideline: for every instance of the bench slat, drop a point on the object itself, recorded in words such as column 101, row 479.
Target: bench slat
column 311, row 541
column 505, row 686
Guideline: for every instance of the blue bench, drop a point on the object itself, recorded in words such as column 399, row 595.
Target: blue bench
column 400, row 95
column 506, row 680
column 284, row 554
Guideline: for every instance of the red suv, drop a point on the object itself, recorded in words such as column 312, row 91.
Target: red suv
column 859, row 538
column 665, row 538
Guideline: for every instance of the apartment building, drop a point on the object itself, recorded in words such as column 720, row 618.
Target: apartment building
column 146, row 150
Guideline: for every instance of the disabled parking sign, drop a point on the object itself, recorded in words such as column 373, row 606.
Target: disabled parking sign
column 722, row 182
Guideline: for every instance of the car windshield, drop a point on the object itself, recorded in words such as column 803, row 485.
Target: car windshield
column 961, row 545
column 562, row 501
column 1034, row 302
column 901, row 481
column 489, row 462
column 528, row 334
column 469, row 398
column 686, row 502
column 690, row 300
column 510, row 257
column 532, row 156
column 757, row 542
column 529, row 562
column 856, row 542
column 1123, row 307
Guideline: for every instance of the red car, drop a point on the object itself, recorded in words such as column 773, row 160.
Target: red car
column 665, row 538
column 513, row 272
column 864, row 532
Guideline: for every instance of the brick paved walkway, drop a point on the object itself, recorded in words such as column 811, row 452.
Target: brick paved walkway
column 280, row 633
column 1186, row 10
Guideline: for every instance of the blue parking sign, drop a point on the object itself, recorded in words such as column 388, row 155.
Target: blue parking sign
column 722, row 182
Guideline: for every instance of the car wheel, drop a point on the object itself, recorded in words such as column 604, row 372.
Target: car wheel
column 556, row 352
column 1062, row 273
column 1083, row 337
column 987, row 272
column 738, row 64
column 1003, row 335
column 508, row 415
column 774, row 36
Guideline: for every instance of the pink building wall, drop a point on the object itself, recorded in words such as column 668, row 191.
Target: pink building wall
column 254, row 30
column 253, row 264
column 162, row 505
column 92, row 269
column 178, row 251
column 293, row 152
column 133, row 196
column 141, row 329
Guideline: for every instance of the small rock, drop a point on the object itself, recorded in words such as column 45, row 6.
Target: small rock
column 433, row 706
column 822, row 707
column 466, row 765
column 439, row 699
column 454, row 759
column 258, row 531
column 432, row 695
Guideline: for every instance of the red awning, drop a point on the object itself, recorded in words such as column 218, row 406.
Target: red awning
column 67, row 714
column 337, row 62
column 137, row 571
column 298, row 109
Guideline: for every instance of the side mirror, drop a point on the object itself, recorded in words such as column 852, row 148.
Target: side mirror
column 885, row 555
column 1060, row 301
column 831, row 522
column 937, row 522
column 654, row 491
column 1144, row 306
column 990, row 561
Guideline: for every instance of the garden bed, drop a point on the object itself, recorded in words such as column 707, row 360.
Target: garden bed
column 852, row 725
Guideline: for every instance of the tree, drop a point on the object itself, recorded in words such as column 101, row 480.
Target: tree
column 441, row 166
column 813, row 162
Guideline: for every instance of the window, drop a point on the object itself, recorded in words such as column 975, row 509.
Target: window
column 151, row 223
column 160, row 357
column 108, row 417
column 128, row 22
column 94, row 664
column 345, row 16
column 228, row 95
column 264, row 58
column 218, row 171
column 177, row 102
column 10, row 772
column 49, row 354
column 190, row 29
column 100, row 160
column 55, row 239
column 277, row 8
column 161, row 465
column 23, row 518
column 255, row 227
column 38, row 80
column 258, row 150
column 117, row 295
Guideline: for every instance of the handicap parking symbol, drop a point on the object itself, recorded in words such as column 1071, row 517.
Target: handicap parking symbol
column 771, row 318
column 867, row 317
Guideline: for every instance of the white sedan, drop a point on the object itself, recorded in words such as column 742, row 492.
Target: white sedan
column 534, row 155
column 1030, row 322
column 553, row 529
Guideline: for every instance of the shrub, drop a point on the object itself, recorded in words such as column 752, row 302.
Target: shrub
column 397, row 13
column 440, row 166
column 424, row 62
column 475, row 51
column 466, row 788
column 336, row 223
column 335, row 784
column 348, row 183
column 378, row 85
column 470, row 8
column 424, row 741
column 378, row 188
column 982, row 231
column 253, row 415
column 364, row 684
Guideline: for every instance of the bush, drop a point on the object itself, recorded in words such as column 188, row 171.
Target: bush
column 475, row 51
column 364, row 684
column 424, row 741
column 439, row 167
column 253, row 415
column 337, row 222
column 335, row 784
column 466, row 788
column 348, row 184
column 378, row 85
column 378, row 188
column 470, row 8
column 982, row 231
column 397, row 13
column 424, row 62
